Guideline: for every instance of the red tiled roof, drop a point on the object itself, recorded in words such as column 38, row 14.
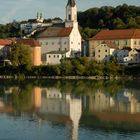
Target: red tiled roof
column 117, row 34
column 5, row 42
column 65, row 32
column 32, row 42
column 55, row 32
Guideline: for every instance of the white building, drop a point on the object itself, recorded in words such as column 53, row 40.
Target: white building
column 32, row 25
column 128, row 56
column 65, row 39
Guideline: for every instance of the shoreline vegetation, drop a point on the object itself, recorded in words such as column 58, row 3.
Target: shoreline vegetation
column 77, row 68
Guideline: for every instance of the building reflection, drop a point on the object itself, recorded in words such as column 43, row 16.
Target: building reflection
column 124, row 101
column 58, row 107
column 122, row 106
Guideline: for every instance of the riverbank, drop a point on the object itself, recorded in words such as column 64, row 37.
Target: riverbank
column 71, row 77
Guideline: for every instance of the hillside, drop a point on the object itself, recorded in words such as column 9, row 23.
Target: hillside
column 107, row 17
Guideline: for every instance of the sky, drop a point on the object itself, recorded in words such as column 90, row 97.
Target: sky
column 27, row 9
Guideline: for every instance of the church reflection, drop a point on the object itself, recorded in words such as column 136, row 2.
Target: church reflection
column 57, row 107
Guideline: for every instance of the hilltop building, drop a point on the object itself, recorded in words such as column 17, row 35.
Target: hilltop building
column 61, row 42
column 32, row 25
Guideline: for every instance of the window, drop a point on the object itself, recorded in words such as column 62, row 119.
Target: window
column 69, row 17
column 126, row 42
column 135, row 42
column 57, row 56
column 105, row 50
column 98, row 50
column 54, row 56
column 98, row 55
column 65, row 49
column 49, row 56
column 46, row 43
column 105, row 55
column 52, row 43
column 65, row 42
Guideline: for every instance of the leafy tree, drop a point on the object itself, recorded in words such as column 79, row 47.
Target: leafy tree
column 21, row 56
column 118, row 23
column 66, row 67
column 132, row 23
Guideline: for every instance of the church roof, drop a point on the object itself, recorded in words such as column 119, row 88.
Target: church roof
column 71, row 3
column 56, row 32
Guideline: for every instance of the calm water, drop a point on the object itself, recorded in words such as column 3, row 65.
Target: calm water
column 69, row 110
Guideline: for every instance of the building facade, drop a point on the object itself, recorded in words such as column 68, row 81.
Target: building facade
column 104, row 52
column 4, row 48
column 121, row 38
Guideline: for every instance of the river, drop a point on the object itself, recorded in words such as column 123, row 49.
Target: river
column 69, row 110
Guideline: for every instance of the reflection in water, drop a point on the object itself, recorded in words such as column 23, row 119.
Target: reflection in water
column 124, row 101
column 103, row 104
column 56, row 107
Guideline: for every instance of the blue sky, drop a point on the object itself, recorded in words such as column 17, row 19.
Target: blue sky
column 25, row 9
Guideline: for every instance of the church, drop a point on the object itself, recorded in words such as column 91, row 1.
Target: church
column 59, row 42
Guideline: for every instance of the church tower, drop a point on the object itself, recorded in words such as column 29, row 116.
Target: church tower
column 71, row 14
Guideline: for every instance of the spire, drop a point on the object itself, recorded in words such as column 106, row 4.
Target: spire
column 37, row 15
column 71, row 3
column 41, row 16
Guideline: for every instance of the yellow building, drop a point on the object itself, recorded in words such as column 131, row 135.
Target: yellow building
column 104, row 51
column 120, row 38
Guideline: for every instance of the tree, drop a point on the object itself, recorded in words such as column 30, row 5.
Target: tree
column 132, row 23
column 66, row 67
column 20, row 55
column 118, row 23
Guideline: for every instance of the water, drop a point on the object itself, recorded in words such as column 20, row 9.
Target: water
column 69, row 110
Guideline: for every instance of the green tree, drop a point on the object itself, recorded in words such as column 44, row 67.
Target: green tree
column 20, row 55
column 66, row 67
column 118, row 23
column 132, row 23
